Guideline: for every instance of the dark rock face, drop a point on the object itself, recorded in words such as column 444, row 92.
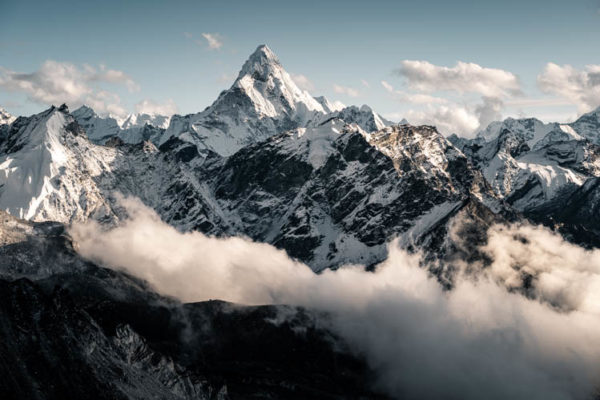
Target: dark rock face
column 329, row 194
column 364, row 191
column 545, row 181
column 61, row 344
column 588, row 126
column 72, row 330
column 575, row 214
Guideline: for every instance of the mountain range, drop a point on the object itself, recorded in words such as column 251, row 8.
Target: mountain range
column 330, row 185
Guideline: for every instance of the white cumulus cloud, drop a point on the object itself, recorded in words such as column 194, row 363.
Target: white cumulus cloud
column 447, row 119
column 62, row 82
column 464, row 115
column 580, row 87
column 462, row 78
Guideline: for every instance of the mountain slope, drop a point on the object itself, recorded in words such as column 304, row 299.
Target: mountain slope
column 334, row 194
column 70, row 329
column 136, row 128
column 263, row 101
column 588, row 126
column 530, row 163
column 42, row 179
column 327, row 194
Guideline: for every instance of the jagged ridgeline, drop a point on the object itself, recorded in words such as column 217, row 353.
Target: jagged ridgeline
column 329, row 185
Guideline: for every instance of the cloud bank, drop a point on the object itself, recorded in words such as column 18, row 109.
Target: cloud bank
column 61, row 82
column 488, row 337
column 462, row 78
column 490, row 84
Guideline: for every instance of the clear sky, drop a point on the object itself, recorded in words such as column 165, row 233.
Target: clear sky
column 480, row 59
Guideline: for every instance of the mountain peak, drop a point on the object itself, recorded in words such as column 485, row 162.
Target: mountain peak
column 5, row 117
column 85, row 109
column 261, row 63
column 265, row 51
column 271, row 91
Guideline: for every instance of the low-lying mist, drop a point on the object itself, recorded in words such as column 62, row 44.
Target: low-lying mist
column 527, row 326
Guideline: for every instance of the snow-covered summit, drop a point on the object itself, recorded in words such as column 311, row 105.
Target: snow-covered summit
column 262, row 61
column 141, row 119
column 97, row 128
column 5, row 117
column 135, row 128
column 263, row 101
column 46, row 168
column 531, row 130
column 529, row 162
column 588, row 126
column 328, row 106
column 272, row 90
column 363, row 116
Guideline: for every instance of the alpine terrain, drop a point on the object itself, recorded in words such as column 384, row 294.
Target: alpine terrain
column 330, row 185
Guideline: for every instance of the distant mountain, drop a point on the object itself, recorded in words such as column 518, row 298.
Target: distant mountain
column 542, row 169
column 136, row 128
column 365, row 117
column 263, row 101
column 328, row 106
column 329, row 184
column 588, row 126
column 528, row 162
column 327, row 194
column 5, row 117
column 271, row 162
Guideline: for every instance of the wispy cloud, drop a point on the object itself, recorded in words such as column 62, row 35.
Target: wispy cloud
column 413, row 98
column 348, row 91
column 154, row 108
column 303, row 82
column 387, row 86
column 214, row 40
column 226, row 77
column 104, row 74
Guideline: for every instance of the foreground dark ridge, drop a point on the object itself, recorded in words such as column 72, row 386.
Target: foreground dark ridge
column 71, row 330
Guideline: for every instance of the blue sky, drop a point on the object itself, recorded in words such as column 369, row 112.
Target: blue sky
column 156, row 51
